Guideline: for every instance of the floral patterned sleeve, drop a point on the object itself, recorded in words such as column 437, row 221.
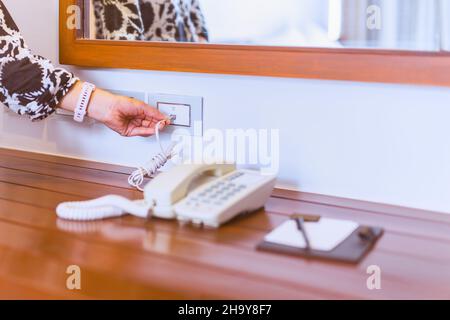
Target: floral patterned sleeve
column 29, row 84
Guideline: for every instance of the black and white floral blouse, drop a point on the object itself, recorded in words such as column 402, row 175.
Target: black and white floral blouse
column 29, row 84
column 150, row 20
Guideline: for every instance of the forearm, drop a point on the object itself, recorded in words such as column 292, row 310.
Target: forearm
column 100, row 104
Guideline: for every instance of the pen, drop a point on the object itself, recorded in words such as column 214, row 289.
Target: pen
column 301, row 227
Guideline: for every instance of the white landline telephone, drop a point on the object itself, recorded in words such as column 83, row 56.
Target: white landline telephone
column 208, row 195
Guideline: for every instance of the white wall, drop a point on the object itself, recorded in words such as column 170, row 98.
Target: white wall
column 384, row 143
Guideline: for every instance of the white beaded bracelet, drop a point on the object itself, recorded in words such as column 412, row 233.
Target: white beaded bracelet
column 83, row 101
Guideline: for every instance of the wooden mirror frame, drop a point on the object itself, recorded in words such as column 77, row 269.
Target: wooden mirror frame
column 387, row 66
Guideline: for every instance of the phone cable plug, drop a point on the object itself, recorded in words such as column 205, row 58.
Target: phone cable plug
column 137, row 178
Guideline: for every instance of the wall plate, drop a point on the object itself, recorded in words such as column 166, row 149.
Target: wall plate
column 194, row 126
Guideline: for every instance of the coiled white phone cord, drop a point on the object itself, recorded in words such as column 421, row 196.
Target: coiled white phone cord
column 136, row 179
column 105, row 207
column 115, row 206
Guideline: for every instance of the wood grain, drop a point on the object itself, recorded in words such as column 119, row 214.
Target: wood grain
column 313, row 63
column 64, row 160
column 131, row 258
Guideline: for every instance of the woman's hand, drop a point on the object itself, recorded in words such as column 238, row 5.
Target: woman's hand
column 127, row 116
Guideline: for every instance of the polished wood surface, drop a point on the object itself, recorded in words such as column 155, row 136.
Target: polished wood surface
column 132, row 258
column 313, row 63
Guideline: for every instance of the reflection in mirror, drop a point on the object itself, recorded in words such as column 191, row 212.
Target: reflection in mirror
column 147, row 20
column 382, row 24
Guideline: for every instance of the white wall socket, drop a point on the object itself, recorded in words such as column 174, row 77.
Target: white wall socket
column 187, row 109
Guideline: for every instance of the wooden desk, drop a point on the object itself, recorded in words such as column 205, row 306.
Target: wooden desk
column 132, row 258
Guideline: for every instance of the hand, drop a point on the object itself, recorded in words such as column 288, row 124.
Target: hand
column 130, row 117
column 127, row 116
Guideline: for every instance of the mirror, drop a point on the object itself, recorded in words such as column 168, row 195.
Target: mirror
column 415, row 25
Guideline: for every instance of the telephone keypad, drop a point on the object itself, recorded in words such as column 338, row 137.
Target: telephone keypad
column 219, row 201
column 218, row 193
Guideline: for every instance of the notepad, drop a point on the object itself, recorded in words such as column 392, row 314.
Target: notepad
column 324, row 235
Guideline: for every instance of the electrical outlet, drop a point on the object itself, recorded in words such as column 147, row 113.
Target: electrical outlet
column 181, row 113
column 188, row 112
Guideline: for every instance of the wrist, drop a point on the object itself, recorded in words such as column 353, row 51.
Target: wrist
column 83, row 102
column 101, row 104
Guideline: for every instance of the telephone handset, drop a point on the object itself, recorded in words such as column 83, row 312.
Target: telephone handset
column 170, row 187
column 203, row 194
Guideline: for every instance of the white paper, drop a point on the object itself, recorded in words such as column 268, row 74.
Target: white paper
column 324, row 235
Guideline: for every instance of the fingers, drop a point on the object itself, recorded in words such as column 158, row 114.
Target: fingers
column 142, row 132
column 148, row 110
column 146, row 123
column 152, row 113
column 137, row 108
column 136, row 118
column 146, row 129
column 153, row 124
